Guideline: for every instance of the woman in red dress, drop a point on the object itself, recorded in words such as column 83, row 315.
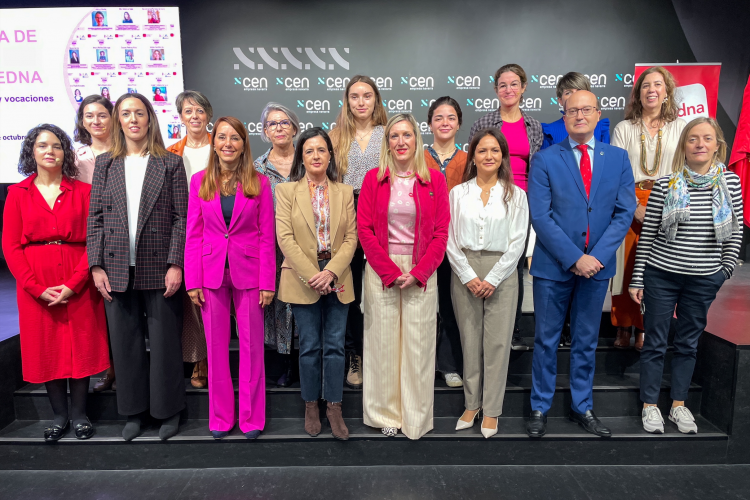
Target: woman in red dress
column 61, row 314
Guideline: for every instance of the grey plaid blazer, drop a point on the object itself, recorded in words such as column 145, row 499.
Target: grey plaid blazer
column 160, row 235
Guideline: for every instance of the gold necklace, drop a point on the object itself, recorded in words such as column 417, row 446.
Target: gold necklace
column 446, row 155
column 362, row 138
column 657, row 156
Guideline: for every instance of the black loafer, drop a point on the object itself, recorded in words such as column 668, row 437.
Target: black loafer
column 589, row 422
column 536, row 426
column 55, row 432
column 84, row 431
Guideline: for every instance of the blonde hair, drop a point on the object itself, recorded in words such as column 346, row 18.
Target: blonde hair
column 679, row 155
column 669, row 109
column 155, row 144
column 385, row 151
column 245, row 173
column 343, row 135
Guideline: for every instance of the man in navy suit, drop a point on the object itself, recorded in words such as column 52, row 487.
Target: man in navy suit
column 582, row 200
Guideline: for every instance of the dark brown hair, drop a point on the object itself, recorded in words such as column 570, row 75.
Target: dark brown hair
column 27, row 162
column 448, row 101
column 504, row 173
column 81, row 134
column 513, row 68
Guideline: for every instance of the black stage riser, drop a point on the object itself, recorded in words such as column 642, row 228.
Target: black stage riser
column 287, row 403
column 366, row 452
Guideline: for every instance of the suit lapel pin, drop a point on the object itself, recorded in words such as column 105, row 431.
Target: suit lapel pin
column 601, row 153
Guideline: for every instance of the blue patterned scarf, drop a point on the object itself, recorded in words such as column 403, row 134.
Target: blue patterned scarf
column 677, row 201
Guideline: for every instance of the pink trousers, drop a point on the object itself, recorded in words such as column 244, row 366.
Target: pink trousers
column 252, row 379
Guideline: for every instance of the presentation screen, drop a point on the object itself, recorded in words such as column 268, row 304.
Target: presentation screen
column 51, row 59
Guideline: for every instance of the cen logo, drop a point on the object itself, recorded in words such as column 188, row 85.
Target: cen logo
column 625, row 78
column 252, row 84
column 314, row 106
column 546, row 81
column 333, row 83
column 611, row 103
column 294, row 84
column 597, row 81
column 397, row 105
column 418, row 82
column 485, row 105
column 465, row 82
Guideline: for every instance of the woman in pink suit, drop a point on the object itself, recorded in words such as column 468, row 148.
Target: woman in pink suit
column 230, row 256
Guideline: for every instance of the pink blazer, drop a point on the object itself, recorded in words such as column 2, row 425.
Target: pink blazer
column 250, row 240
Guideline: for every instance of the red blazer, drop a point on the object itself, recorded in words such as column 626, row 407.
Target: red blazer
column 431, row 232
column 249, row 242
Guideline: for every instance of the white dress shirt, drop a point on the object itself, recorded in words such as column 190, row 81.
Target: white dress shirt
column 491, row 227
column 135, row 173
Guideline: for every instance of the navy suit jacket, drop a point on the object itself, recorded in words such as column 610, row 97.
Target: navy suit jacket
column 561, row 212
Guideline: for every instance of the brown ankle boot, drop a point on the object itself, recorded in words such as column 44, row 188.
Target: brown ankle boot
column 623, row 338
column 338, row 427
column 639, row 336
column 312, row 418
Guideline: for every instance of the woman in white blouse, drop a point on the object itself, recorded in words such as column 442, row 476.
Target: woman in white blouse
column 649, row 133
column 489, row 219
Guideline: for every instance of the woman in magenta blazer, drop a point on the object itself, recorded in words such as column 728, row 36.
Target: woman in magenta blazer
column 403, row 219
column 230, row 255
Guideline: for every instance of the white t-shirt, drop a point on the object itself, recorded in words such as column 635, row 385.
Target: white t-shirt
column 195, row 159
column 135, row 173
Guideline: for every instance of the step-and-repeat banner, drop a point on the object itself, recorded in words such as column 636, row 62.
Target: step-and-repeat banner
column 50, row 59
column 301, row 54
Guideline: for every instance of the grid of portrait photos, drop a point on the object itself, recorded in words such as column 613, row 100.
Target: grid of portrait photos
column 118, row 50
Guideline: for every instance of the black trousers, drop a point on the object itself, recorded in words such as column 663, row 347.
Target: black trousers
column 157, row 384
column 449, row 353
column 355, row 321
column 692, row 296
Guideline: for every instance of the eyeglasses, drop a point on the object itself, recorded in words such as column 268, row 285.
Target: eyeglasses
column 573, row 112
column 515, row 87
column 282, row 124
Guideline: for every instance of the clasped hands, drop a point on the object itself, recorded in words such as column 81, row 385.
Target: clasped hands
column 405, row 281
column 321, row 282
column 480, row 289
column 587, row 266
column 56, row 295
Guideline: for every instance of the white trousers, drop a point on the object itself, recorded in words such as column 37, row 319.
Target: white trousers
column 399, row 353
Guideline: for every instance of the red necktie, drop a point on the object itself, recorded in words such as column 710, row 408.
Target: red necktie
column 585, row 175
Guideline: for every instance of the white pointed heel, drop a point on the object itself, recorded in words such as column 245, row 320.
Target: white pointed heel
column 462, row 424
column 488, row 433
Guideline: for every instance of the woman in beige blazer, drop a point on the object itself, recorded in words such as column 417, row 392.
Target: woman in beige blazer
column 317, row 233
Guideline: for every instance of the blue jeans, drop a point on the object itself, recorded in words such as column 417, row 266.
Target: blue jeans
column 322, row 330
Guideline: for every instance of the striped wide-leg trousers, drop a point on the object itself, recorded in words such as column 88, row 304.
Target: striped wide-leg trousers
column 399, row 353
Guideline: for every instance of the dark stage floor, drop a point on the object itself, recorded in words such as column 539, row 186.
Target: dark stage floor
column 366, row 483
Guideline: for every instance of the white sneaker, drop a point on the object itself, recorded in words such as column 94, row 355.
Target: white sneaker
column 685, row 421
column 652, row 420
column 453, row 380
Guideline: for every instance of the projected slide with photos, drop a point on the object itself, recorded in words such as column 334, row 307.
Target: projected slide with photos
column 51, row 59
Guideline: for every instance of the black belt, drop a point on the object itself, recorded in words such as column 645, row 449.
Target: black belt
column 56, row 242
column 324, row 255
